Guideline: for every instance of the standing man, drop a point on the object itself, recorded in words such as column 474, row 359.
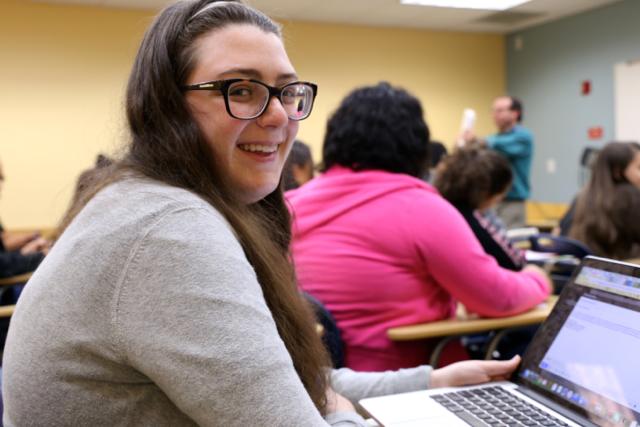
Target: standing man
column 515, row 143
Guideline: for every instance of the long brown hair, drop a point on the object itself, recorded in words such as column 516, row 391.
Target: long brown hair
column 167, row 145
column 601, row 215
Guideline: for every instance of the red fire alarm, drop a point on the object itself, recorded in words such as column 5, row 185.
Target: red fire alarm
column 586, row 87
column 595, row 132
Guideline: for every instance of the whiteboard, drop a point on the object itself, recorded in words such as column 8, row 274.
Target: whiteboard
column 627, row 100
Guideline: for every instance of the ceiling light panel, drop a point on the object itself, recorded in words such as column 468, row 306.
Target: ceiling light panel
column 468, row 4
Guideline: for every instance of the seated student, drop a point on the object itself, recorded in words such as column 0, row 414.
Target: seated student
column 380, row 247
column 605, row 212
column 299, row 166
column 475, row 180
column 86, row 180
column 19, row 253
column 26, row 242
column 437, row 153
column 88, row 176
column 15, row 241
column 169, row 300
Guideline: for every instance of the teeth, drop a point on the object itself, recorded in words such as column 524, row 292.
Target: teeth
column 257, row 148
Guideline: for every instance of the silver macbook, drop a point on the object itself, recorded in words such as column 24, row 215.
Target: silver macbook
column 582, row 368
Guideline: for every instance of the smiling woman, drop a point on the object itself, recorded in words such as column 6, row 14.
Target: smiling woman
column 182, row 248
column 169, row 299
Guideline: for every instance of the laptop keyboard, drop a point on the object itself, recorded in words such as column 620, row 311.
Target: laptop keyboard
column 494, row 406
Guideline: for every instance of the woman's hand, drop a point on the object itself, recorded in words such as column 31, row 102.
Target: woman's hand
column 544, row 274
column 16, row 241
column 38, row 244
column 337, row 402
column 471, row 372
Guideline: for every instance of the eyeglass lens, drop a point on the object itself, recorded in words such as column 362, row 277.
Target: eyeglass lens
column 248, row 99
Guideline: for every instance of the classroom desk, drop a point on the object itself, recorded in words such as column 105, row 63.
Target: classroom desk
column 465, row 324
column 7, row 310
column 544, row 225
column 15, row 280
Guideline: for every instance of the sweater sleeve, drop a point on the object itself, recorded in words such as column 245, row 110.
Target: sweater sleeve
column 360, row 385
column 458, row 263
column 517, row 143
column 191, row 316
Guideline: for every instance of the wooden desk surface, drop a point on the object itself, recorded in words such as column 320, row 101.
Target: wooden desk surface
column 469, row 324
column 14, row 280
column 7, row 310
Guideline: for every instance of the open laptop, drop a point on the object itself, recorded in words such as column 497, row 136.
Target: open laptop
column 582, row 368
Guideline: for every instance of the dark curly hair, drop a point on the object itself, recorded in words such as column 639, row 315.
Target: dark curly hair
column 378, row 127
column 472, row 175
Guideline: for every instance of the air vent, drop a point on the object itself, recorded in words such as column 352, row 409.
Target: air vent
column 509, row 17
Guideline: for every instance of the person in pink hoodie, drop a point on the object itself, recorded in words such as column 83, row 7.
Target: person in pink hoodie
column 381, row 248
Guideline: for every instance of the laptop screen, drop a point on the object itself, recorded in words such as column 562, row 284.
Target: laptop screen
column 585, row 356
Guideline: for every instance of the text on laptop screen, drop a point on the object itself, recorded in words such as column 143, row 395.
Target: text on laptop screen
column 586, row 353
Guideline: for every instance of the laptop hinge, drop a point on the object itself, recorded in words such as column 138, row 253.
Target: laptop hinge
column 555, row 406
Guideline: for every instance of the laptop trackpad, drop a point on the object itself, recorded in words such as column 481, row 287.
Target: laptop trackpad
column 411, row 410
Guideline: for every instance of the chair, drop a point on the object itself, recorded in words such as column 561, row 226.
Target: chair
column 587, row 159
column 331, row 334
column 8, row 285
column 570, row 253
column 559, row 245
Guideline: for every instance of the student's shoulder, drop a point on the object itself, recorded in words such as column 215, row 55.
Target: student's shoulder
column 144, row 204
column 146, row 195
column 144, row 190
column 425, row 199
column 523, row 132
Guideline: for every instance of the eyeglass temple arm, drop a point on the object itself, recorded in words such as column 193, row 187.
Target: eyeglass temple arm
column 202, row 86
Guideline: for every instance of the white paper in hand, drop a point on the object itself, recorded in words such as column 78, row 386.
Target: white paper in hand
column 467, row 124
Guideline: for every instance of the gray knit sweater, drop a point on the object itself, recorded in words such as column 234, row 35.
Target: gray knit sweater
column 147, row 312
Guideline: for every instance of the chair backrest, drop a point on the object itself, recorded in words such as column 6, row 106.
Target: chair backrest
column 587, row 159
column 331, row 334
column 560, row 245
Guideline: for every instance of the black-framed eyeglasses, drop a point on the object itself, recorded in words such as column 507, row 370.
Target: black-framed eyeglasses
column 247, row 99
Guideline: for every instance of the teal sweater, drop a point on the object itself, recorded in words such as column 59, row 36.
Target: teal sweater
column 517, row 146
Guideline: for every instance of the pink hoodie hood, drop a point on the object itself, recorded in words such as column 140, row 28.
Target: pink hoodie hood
column 339, row 190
